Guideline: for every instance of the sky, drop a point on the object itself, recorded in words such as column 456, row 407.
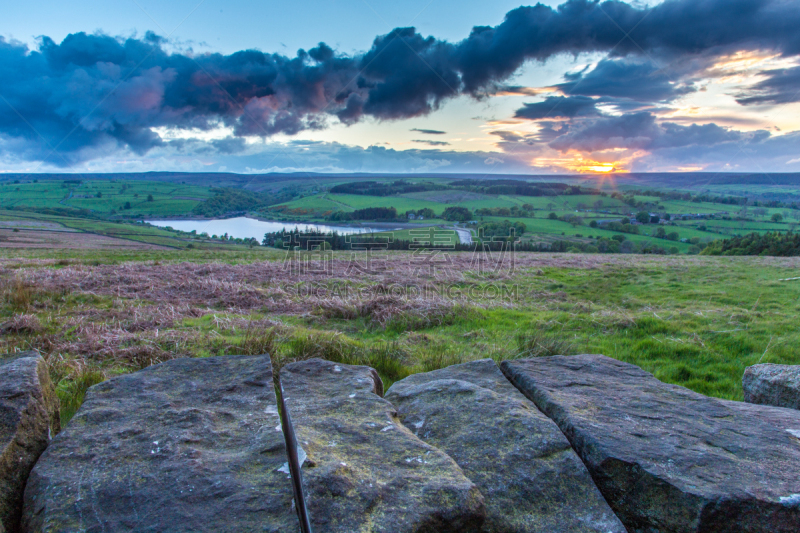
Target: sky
column 415, row 86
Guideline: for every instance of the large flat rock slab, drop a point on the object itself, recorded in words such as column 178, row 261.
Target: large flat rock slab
column 529, row 475
column 29, row 417
column 668, row 459
column 364, row 471
column 768, row 384
column 191, row 445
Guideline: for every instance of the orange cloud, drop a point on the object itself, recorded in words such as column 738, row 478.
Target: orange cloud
column 601, row 163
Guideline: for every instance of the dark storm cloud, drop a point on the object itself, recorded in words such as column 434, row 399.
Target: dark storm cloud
column 642, row 82
column 92, row 93
column 428, row 132
column 640, row 131
column 559, row 107
column 781, row 87
column 674, row 27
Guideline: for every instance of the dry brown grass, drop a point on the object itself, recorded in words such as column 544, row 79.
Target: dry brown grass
column 268, row 286
column 89, row 318
column 52, row 240
column 18, row 293
column 397, row 312
column 21, row 324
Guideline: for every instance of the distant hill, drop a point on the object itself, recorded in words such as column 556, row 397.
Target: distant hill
column 688, row 179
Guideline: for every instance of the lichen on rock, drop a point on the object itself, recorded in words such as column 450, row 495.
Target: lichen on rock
column 190, row 445
column 365, row 472
column 531, row 479
column 667, row 458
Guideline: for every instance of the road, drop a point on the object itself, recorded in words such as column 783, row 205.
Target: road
column 464, row 235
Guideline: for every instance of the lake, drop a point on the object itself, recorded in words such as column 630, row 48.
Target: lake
column 243, row 227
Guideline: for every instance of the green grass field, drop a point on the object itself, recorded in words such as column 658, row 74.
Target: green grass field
column 400, row 203
column 106, row 199
column 167, row 198
column 537, row 227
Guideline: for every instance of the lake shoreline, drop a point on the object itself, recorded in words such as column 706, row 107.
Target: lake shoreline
column 382, row 225
column 256, row 227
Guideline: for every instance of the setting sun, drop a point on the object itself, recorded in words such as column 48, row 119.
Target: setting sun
column 579, row 164
column 601, row 168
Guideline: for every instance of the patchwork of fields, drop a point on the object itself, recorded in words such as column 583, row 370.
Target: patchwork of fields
column 143, row 198
column 110, row 208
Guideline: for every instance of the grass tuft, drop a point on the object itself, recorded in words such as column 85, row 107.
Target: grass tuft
column 73, row 380
column 438, row 355
column 390, row 359
column 255, row 341
column 538, row 344
column 18, row 294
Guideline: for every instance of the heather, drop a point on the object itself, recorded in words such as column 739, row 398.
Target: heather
column 692, row 320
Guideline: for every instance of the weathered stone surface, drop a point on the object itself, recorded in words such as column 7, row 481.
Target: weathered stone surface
column 364, row 471
column 29, row 417
column 530, row 478
column 668, row 459
column 777, row 385
column 188, row 445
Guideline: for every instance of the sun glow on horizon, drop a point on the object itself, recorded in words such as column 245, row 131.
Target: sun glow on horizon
column 582, row 165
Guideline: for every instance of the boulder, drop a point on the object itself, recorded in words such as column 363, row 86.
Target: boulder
column 777, row 385
column 530, row 477
column 364, row 471
column 29, row 417
column 190, row 445
column 668, row 459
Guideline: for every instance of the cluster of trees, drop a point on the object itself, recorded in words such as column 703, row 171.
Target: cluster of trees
column 776, row 203
column 425, row 212
column 374, row 188
column 226, row 201
column 661, row 233
column 516, row 211
column 628, row 197
column 624, row 226
column 368, row 213
column 643, row 217
column 309, row 240
column 251, row 241
column 457, row 214
column 612, row 246
column 575, row 220
column 520, row 188
column 775, row 244
column 501, row 229
column 452, row 213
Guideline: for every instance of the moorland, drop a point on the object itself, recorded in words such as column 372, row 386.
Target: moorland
column 100, row 293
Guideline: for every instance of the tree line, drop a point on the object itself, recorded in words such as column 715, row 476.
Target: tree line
column 773, row 244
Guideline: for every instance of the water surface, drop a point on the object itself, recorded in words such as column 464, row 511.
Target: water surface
column 244, row 228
